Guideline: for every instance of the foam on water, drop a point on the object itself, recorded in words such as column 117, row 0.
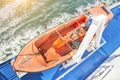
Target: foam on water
column 18, row 30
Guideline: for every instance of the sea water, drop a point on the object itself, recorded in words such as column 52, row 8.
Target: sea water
column 23, row 20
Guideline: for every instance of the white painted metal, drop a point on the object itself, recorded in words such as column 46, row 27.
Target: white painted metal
column 99, row 34
column 116, row 4
column 97, row 22
column 21, row 74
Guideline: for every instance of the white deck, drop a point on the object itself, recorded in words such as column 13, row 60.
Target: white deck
column 109, row 70
column 115, row 71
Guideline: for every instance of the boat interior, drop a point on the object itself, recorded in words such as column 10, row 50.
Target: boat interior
column 60, row 41
column 56, row 44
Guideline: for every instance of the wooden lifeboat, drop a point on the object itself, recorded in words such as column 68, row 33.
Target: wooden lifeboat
column 56, row 45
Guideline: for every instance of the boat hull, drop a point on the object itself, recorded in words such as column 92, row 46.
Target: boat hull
column 56, row 45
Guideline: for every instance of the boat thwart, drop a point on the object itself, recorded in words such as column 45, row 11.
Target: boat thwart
column 63, row 42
